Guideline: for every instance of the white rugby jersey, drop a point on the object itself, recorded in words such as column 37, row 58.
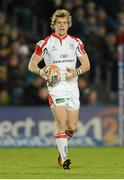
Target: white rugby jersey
column 63, row 52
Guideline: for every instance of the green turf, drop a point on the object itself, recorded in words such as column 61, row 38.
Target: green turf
column 34, row 163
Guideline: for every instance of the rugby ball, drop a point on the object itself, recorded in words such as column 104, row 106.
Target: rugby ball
column 53, row 74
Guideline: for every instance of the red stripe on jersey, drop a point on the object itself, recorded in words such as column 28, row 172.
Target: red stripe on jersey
column 82, row 49
column 60, row 136
column 73, row 37
column 45, row 42
column 50, row 100
column 81, row 45
column 38, row 49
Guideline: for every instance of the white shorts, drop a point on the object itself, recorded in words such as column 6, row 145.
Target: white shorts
column 66, row 94
column 71, row 103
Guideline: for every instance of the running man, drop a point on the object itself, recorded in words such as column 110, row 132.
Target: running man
column 63, row 50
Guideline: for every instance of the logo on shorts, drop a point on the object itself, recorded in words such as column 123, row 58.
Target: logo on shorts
column 60, row 100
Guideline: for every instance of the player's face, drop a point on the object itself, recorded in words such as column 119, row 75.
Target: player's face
column 61, row 26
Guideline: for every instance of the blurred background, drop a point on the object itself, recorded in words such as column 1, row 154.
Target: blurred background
column 100, row 25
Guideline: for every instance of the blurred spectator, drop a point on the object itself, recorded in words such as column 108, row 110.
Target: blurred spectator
column 102, row 56
column 4, row 49
column 4, row 56
column 68, row 5
column 83, row 89
column 32, row 93
column 4, row 27
column 113, row 61
column 23, row 55
column 90, row 25
column 101, row 17
column 78, row 3
column 4, row 98
column 57, row 4
column 43, row 96
column 14, row 34
column 22, row 14
column 90, row 9
column 120, row 35
column 121, row 5
column 15, row 45
column 110, row 6
column 120, row 18
column 15, row 80
column 92, row 98
column 78, row 23
column 87, row 94
column 23, row 50
column 43, row 10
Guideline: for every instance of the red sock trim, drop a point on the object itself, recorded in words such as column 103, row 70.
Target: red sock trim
column 61, row 135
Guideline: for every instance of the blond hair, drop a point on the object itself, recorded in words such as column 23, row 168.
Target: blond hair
column 61, row 13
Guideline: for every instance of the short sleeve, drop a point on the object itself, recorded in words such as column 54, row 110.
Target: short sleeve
column 80, row 48
column 40, row 48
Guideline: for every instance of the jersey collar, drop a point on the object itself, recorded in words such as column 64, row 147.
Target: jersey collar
column 58, row 37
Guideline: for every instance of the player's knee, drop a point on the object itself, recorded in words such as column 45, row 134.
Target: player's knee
column 72, row 128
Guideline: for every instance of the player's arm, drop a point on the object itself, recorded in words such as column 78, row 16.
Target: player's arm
column 36, row 57
column 33, row 63
column 85, row 64
column 83, row 68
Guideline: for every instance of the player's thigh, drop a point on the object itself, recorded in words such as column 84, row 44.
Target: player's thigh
column 72, row 119
column 60, row 115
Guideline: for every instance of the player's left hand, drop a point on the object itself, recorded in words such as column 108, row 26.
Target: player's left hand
column 71, row 73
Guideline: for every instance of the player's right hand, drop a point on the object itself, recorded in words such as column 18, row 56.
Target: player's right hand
column 44, row 73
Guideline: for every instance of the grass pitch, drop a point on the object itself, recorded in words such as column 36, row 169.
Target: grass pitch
column 41, row 163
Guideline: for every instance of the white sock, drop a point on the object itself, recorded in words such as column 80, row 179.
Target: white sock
column 62, row 144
